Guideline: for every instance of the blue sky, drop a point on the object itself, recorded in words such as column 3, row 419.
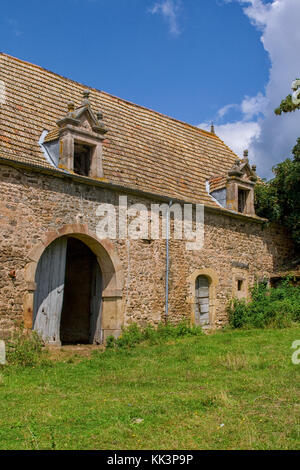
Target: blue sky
column 195, row 60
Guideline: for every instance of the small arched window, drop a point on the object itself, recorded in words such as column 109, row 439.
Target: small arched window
column 202, row 301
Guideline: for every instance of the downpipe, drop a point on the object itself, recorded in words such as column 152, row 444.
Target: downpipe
column 167, row 262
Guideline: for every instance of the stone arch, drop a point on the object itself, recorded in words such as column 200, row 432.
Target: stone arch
column 110, row 265
column 213, row 280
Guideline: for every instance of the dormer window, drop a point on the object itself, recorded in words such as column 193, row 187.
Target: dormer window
column 235, row 191
column 77, row 142
column 82, row 159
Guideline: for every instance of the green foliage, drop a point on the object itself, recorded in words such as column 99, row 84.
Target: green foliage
column 110, row 341
column 133, row 334
column 279, row 199
column 286, row 106
column 269, row 307
column 238, row 313
column 25, row 349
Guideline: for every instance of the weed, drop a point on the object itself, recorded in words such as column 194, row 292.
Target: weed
column 223, row 398
column 33, row 439
column 235, row 361
column 25, row 349
column 133, row 334
column 269, row 307
column 52, row 437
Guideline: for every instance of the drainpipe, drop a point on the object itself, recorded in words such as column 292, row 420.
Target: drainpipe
column 167, row 260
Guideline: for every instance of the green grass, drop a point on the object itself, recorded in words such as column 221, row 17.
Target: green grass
column 231, row 390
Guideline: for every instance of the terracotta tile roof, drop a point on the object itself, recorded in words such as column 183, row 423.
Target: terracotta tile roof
column 218, row 182
column 143, row 149
column 52, row 135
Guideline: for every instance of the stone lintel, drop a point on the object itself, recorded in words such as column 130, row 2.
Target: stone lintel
column 241, row 182
column 238, row 264
column 79, row 131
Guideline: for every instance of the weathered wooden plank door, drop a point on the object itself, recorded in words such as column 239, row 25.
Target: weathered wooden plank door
column 202, row 301
column 96, row 305
column 48, row 299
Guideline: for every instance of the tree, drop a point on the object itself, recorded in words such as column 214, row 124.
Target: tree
column 286, row 106
column 291, row 102
column 279, row 199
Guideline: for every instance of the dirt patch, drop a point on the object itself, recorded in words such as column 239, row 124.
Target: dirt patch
column 72, row 352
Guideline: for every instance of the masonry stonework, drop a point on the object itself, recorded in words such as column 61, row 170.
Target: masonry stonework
column 33, row 205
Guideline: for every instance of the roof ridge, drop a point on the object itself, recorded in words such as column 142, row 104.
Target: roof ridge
column 207, row 133
column 240, row 158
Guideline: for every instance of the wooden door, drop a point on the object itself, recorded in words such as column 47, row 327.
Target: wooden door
column 48, row 298
column 202, row 301
column 96, row 305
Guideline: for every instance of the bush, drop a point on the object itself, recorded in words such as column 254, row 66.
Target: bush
column 130, row 336
column 269, row 307
column 134, row 334
column 238, row 313
column 110, row 341
column 25, row 349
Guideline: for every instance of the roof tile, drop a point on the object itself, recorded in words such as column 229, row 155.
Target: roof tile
column 142, row 149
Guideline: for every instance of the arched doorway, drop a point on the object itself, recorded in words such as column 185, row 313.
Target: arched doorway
column 203, row 284
column 104, row 250
column 68, row 297
column 202, row 301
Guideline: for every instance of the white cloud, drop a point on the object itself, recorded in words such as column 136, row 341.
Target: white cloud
column 252, row 107
column 258, row 11
column 223, row 111
column 169, row 9
column 237, row 135
column 275, row 136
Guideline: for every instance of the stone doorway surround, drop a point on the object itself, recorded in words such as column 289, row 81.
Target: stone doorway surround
column 110, row 265
column 213, row 282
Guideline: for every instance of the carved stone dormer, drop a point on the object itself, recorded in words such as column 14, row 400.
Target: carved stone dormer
column 76, row 143
column 240, row 186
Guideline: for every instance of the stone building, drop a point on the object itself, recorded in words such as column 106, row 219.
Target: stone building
column 65, row 151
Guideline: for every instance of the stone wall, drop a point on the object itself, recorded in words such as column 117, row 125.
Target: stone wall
column 33, row 204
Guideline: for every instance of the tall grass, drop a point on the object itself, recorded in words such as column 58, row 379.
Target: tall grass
column 269, row 307
column 134, row 334
column 25, row 349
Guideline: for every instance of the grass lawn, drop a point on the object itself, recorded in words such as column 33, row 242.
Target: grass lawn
column 231, row 390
